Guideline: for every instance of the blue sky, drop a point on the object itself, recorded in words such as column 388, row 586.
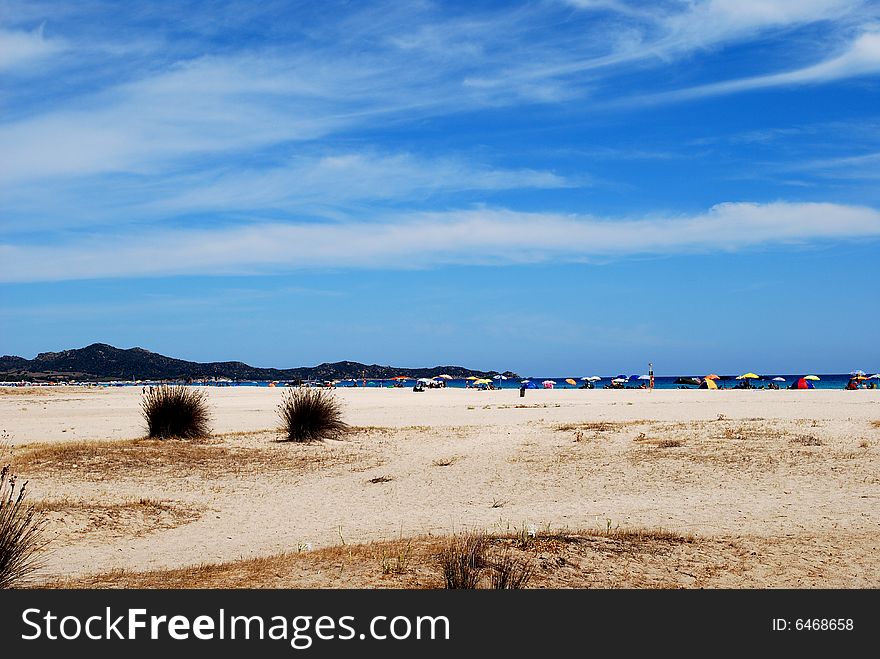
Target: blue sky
column 554, row 187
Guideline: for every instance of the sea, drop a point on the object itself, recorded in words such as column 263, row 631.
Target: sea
column 631, row 381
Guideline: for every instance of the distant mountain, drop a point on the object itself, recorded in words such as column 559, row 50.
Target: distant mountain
column 102, row 362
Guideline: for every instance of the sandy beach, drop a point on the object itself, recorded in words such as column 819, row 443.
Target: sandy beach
column 757, row 488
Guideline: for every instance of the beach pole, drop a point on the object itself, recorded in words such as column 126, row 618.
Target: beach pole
column 650, row 376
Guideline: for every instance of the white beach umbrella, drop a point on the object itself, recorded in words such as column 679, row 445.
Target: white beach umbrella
column 644, row 377
column 777, row 379
column 594, row 378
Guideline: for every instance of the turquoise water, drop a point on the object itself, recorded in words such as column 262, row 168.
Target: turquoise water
column 826, row 381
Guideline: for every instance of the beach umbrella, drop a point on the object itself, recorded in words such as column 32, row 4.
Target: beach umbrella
column 585, row 379
column 811, row 377
column 499, row 377
column 748, row 376
column 644, row 377
column 528, row 384
column 778, row 379
column 472, row 377
column 876, row 376
column 483, row 381
column 802, row 383
column 621, row 377
column 693, row 381
column 401, row 377
column 445, row 376
column 712, row 376
column 708, row 384
column 856, row 372
column 570, row 381
column 619, row 380
column 594, row 378
column 549, row 384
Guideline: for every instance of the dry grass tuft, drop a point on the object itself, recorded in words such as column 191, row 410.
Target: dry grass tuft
column 381, row 479
column 510, row 571
column 310, row 415
column 444, row 462
column 21, row 532
column 462, row 560
column 175, row 411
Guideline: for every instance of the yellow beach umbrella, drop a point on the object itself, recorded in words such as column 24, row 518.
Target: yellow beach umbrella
column 748, row 376
column 472, row 377
column 811, row 377
column 570, row 381
column 708, row 383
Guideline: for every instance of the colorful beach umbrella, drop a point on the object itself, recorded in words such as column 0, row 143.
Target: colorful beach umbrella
column 712, row 376
column 802, row 383
column 748, row 376
column 708, row 384
column 401, row 377
column 811, row 377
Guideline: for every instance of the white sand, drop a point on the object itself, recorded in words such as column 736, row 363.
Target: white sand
column 749, row 473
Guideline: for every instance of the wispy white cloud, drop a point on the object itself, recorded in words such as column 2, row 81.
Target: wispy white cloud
column 483, row 236
column 19, row 48
column 313, row 186
column 861, row 57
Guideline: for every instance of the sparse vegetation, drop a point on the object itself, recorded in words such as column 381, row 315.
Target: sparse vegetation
column 510, row 572
column 396, row 561
column 381, row 479
column 170, row 458
column 20, row 532
column 309, row 415
column 462, row 560
column 444, row 462
column 807, row 440
column 176, row 411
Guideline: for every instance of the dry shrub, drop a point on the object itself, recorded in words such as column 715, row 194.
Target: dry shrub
column 510, row 572
column 807, row 440
column 309, row 415
column 20, row 532
column 176, row 411
column 463, row 559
